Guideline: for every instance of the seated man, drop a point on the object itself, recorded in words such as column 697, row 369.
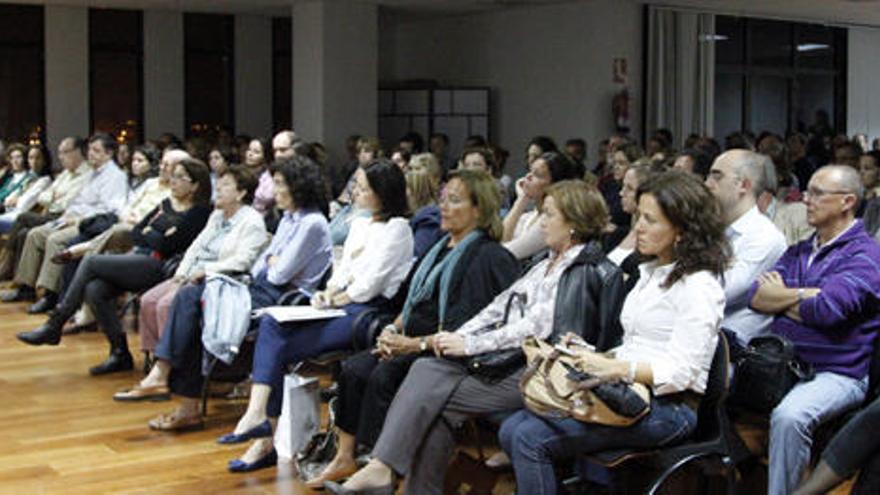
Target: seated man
column 737, row 178
column 824, row 293
column 105, row 192
column 790, row 218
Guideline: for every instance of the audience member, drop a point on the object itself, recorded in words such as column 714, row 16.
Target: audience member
column 670, row 324
column 412, row 142
column 461, row 274
column 736, row 179
column 576, row 149
column 869, row 168
column 105, row 193
column 100, row 279
column 790, row 218
column 256, row 159
column 20, row 174
column 823, row 294
column 40, row 165
column 522, row 227
column 538, row 146
column 421, row 195
column 438, row 394
column 376, row 259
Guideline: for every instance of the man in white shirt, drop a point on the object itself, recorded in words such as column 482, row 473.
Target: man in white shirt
column 737, row 178
column 105, row 192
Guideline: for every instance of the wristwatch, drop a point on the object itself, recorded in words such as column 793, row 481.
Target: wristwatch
column 423, row 344
column 800, row 294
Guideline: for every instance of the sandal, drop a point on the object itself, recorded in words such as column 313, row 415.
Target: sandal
column 173, row 422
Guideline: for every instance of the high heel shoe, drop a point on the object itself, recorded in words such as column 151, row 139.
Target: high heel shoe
column 333, row 487
column 239, row 466
column 263, row 429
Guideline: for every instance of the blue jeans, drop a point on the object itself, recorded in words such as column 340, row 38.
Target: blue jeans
column 792, row 423
column 534, row 444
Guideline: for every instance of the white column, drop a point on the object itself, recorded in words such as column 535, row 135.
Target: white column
column 253, row 75
column 67, row 72
column 163, row 73
column 335, row 71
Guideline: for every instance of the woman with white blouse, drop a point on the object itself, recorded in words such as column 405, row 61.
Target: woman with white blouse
column 522, row 226
column 670, row 322
column 376, row 258
column 439, row 393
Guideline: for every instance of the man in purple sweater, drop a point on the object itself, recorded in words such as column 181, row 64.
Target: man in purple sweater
column 824, row 293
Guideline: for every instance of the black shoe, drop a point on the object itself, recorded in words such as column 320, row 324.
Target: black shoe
column 117, row 361
column 46, row 303
column 19, row 294
column 44, row 334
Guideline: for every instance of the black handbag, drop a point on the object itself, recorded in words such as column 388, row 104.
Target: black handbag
column 94, row 225
column 498, row 365
column 765, row 372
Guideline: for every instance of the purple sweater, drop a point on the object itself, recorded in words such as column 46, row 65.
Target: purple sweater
column 839, row 325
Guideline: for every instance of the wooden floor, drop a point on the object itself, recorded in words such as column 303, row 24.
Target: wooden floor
column 60, row 431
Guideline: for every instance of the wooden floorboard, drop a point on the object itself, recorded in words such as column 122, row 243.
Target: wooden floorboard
column 60, row 431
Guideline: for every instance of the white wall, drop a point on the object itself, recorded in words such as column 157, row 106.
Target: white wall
column 253, row 75
column 863, row 103
column 550, row 67
column 67, row 72
column 163, row 73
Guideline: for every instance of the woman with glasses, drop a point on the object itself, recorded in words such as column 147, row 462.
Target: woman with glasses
column 163, row 233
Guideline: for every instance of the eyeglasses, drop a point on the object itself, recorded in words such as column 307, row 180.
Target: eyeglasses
column 182, row 178
column 818, row 192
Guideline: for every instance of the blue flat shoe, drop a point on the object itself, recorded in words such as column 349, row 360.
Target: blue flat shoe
column 239, row 466
column 263, row 429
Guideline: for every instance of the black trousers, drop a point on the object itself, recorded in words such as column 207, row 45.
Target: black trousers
column 857, row 446
column 366, row 388
column 99, row 280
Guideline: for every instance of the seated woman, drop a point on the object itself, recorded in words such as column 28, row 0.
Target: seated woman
column 230, row 242
column 100, row 279
column 576, row 288
column 343, row 211
column 256, row 159
column 421, row 195
column 376, row 259
column 297, row 257
column 459, row 276
column 19, row 174
column 40, row 163
column 522, row 229
column 670, row 324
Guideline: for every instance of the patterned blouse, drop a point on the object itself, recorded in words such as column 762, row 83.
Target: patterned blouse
column 539, row 287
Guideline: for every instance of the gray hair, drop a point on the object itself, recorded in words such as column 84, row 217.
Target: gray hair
column 175, row 156
column 769, row 182
column 753, row 166
column 848, row 179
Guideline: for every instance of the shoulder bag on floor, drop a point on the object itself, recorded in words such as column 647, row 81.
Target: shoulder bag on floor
column 556, row 385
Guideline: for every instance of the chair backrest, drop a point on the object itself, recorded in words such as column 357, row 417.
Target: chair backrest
column 874, row 374
column 712, row 414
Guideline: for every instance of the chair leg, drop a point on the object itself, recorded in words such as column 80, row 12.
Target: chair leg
column 206, row 385
column 669, row 471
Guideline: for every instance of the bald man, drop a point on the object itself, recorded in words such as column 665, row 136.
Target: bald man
column 824, row 295
column 737, row 178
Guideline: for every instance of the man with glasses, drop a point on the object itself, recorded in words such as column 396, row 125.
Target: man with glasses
column 51, row 203
column 824, row 295
column 737, row 178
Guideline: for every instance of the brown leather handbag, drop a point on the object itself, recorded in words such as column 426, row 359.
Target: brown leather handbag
column 556, row 385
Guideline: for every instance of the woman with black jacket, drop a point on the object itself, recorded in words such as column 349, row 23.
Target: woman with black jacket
column 162, row 234
column 439, row 394
column 458, row 276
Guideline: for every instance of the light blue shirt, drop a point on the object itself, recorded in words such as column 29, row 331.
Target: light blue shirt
column 105, row 192
column 303, row 248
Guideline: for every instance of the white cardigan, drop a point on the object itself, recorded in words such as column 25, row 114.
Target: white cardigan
column 239, row 249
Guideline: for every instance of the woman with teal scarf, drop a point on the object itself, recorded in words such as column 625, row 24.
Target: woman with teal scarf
column 457, row 277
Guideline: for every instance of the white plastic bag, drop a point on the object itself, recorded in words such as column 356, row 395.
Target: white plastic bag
column 300, row 415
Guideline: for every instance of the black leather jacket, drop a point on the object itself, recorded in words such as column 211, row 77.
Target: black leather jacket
column 589, row 298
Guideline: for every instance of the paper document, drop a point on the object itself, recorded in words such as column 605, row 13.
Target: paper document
column 297, row 313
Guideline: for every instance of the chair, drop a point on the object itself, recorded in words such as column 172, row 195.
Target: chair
column 712, row 437
column 240, row 368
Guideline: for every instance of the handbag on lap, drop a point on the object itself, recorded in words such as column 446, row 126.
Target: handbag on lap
column 556, row 384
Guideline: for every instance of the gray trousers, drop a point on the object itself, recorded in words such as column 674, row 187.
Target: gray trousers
column 436, row 397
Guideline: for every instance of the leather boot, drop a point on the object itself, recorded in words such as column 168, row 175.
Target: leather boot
column 48, row 333
column 118, row 360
